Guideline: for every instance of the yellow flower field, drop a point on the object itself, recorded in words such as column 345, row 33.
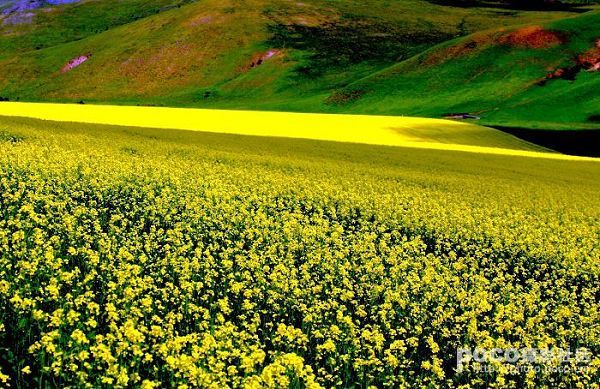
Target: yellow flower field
column 434, row 134
column 136, row 257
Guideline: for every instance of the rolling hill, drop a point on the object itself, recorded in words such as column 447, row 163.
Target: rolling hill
column 524, row 68
column 544, row 76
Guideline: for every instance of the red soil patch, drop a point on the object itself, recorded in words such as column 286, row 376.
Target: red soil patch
column 261, row 58
column 75, row 62
column 534, row 37
column 590, row 60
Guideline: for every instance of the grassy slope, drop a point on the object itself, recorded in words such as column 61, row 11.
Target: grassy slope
column 494, row 80
column 200, row 54
column 53, row 26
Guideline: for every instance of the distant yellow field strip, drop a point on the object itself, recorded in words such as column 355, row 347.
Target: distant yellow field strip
column 375, row 130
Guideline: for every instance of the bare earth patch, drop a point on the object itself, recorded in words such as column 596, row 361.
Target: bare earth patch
column 533, row 37
column 590, row 60
column 260, row 58
column 72, row 64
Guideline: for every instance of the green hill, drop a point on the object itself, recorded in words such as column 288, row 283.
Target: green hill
column 532, row 76
column 408, row 57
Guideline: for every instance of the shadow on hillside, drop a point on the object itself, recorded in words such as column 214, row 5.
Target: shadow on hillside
column 352, row 41
column 540, row 6
column 573, row 142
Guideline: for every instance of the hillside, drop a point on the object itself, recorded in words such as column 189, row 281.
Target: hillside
column 27, row 25
column 185, row 55
column 410, row 57
column 544, row 76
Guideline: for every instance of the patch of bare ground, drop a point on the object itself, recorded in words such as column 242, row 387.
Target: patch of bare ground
column 590, row 60
column 75, row 62
column 533, row 37
column 260, row 58
column 587, row 61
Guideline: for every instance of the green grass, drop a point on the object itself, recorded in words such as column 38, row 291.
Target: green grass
column 365, row 57
column 493, row 80
column 73, row 22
